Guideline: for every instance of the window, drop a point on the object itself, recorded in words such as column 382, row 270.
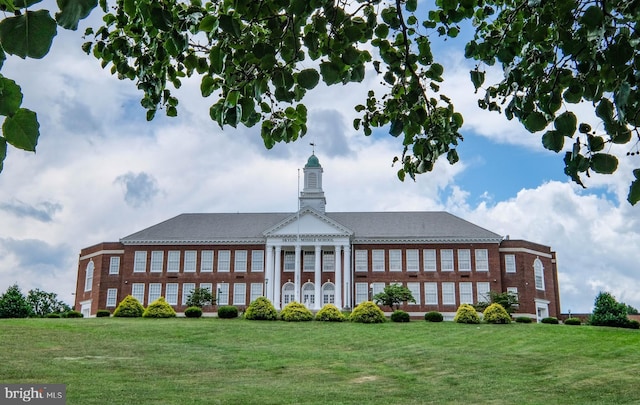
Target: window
column 464, row 260
column 377, row 259
column 112, row 297
column 187, row 289
column 429, row 260
column 240, row 261
column 114, row 265
column 376, row 288
column 288, row 293
column 328, row 293
column 206, row 261
column 446, row 260
column 208, row 286
column 510, row 263
column 171, row 293
column 482, row 260
column 137, row 291
column 308, row 294
column 309, row 261
column 448, row 294
column 289, row 261
column 224, row 261
column 538, row 270
column 412, row 260
column 222, row 294
column 140, row 262
column 256, row 291
column 361, row 260
column 328, row 261
column 362, row 292
column 431, row 293
column 257, row 260
column 395, row 260
column 155, row 291
column 415, row 291
column 190, row 261
column 239, row 294
column 514, row 292
column 173, row 261
column 483, row 291
column 157, row 257
column 466, row 293
column 88, row 277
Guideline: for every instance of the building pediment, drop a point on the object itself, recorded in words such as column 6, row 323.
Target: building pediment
column 308, row 222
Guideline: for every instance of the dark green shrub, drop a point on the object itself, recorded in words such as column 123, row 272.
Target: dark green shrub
column 72, row 314
column 227, row 312
column 632, row 324
column 524, row 319
column 193, row 312
column 330, row 313
column 433, row 316
column 400, row 316
column 608, row 312
column 200, row 297
column 572, row 321
column 53, row 315
column 261, row 310
column 367, row 312
column 103, row 313
column 13, row 304
column 296, row 312
column 129, row 307
column 159, row 309
column 495, row 313
column 466, row 314
column 550, row 320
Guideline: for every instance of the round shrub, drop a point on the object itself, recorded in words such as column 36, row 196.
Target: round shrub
column 466, row 314
column 193, row 312
column 261, row 310
column 400, row 316
column 572, row 321
column 129, row 307
column 330, row 313
column 73, row 314
column 632, row 324
column 227, row 312
column 550, row 320
column 367, row 312
column 296, row 312
column 433, row 316
column 524, row 319
column 159, row 309
column 495, row 313
column 103, row 313
column 52, row 315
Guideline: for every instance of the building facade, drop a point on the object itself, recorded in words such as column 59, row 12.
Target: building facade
column 317, row 257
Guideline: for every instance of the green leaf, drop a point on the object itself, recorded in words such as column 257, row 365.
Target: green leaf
column 604, row 110
column 634, row 192
column 477, row 78
column 411, row 5
column 553, row 140
column 584, row 128
column 29, row 34
column 72, row 11
column 331, row 73
column 10, row 96
column 603, row 163
column 596, row 143
column 3, row 152
column 161, row 18
column 22, row 130
column 397, row 126
column 209, row 23
column 566, row 124
column 207, row 86
column 535, row 122
column 593, row 17
column 308, row 78
column 230, row 25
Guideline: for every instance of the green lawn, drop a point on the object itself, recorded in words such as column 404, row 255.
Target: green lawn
column 210, row 361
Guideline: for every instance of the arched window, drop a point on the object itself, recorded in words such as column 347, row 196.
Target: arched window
column 88, row 278
column 308, row 294
column 328, row 293
column 538, row 270
column 288, row 293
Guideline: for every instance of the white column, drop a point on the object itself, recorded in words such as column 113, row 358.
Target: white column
column 338, row 279
column 277, row 285
column 318, row 280
column 269, row 280
column 347, row 286
column 296, row 275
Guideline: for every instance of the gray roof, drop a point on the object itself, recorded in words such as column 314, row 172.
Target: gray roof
column 366, row 226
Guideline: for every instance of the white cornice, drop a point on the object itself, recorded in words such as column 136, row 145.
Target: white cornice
column 525, row 250
column 102, row 252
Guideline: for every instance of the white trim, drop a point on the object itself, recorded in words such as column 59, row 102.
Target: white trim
column 525, row 250
column 102, row 252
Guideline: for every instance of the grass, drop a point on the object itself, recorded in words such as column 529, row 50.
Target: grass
column 216, row 361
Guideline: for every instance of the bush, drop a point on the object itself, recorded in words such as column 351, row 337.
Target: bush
column 261, row 310
column 495, row 313
column 129, row 307
column 550, row 320
column 53, row 315
column 103, row 313
column 72, row 314
column 433, row 316
column 13, row 304
column 632, row 324
column 400, row 316
column 608, row 312
column 227, row 312
column 367, row 312
column 572, row 321
column 296, row 312
column 193, row 312
column 159, row 309
column 524, row 319
column 330, row 313
column 466, row 314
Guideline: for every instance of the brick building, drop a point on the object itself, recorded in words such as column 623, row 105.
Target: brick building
column 317, row 257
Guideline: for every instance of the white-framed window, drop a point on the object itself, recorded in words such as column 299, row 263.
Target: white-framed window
column 309, row 294
column 466, row 293
column 431, row 293
column 415, row 291
column 222, row 294
column 114, row 265
column 482, row 260
column 289, row 260
column 157, row 259
column 429, row 259
column 288, row 293
column 446, row 260
column 464, row 260
column 256, row 291
column 510, row 263
column 173, row 261
column 208, row 286
column 395, row 260
column 328, row 261
column 206, row 261
column 190, row 261
column 140, row 262
column 413, row 260
column 328, row 293
column 257, row 261
column 88, row 276
column 239, row 294
column 240, row 261
column 377, row 260
column 309, row 260
column 137, row 291
column 449, row 293
column 376, row 288
column 483, row 288
column 155, row 291
column 187, row 289
column 514, row 291
column 362, row 292
column 112, row 297
column 361, row 261
column 224, row 261
column 538, row 270
column 171, row 293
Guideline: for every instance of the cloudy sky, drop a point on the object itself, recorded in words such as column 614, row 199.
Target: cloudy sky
column 102, row 172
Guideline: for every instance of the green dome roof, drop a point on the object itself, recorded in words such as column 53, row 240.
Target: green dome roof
column 313, row 161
